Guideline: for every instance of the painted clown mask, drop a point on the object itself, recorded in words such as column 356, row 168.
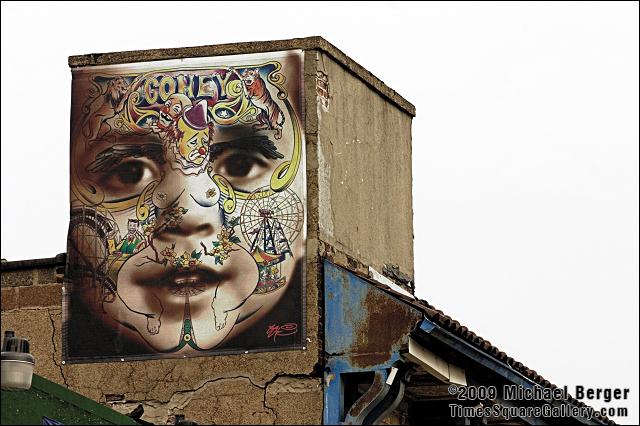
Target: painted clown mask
column 192, row 146
column 186, row 234
column 172, row 110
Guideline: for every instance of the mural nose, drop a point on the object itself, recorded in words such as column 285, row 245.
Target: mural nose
column 199, row 220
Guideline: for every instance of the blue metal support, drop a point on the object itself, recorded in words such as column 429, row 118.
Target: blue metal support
column 365, row 330
column 360, row 338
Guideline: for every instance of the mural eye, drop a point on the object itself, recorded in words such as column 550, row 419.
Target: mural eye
column 243, row 169
column 129, row 173
column 129, row 178
column 239, row 165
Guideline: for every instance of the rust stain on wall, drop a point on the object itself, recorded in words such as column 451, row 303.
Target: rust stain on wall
column 377, row 337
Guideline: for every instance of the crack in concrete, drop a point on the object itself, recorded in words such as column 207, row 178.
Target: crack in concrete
column 53, row 342
column 264, row 395
column 179, row 400
column 164, row 379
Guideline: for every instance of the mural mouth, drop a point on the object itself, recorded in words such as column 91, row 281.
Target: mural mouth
column 191, row 286
column 165, row 119
column 190, row 280
column 195, row 155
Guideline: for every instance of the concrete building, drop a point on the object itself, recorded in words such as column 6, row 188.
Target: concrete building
column 372, row 351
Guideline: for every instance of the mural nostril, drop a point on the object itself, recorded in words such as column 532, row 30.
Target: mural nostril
column 204, row 230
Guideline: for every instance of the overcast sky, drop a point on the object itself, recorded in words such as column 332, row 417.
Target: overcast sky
column 525, row 152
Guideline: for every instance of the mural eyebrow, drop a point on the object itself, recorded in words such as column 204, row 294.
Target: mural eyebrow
column 111, row 157
column 261, row 144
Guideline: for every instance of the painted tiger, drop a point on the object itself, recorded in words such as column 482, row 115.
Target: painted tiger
column 255, row 89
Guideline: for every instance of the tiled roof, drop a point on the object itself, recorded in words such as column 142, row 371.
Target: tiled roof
column 454, row 327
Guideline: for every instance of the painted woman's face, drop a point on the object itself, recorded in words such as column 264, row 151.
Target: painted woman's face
column 216, row 194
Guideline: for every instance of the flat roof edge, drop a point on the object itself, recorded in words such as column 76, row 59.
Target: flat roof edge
column 306, row 43
column 59, row 260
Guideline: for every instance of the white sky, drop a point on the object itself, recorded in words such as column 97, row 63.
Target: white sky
column 525, row 152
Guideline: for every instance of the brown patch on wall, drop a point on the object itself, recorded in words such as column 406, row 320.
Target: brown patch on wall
column 341, row 258
column 31, row 296
column 40, row 295
column 302, row 393
column 229, row 401
column 9, row 299
column 37, row 326
column 26, row 276
column 19, row 278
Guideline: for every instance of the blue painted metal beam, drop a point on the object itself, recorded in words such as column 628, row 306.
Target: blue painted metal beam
column 365, row 328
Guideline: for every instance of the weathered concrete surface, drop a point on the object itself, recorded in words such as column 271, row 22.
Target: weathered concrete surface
column 303, row 394
column 23, row 277
column 37, row 325
column 238, row 400
column 218, row 402
column 364, row 172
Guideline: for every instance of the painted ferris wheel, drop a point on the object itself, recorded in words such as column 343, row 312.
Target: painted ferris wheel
column 270, row 224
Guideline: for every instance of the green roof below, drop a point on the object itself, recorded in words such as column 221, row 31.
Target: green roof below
column 58, row 403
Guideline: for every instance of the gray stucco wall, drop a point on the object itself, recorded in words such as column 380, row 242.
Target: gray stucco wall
column 363, row 145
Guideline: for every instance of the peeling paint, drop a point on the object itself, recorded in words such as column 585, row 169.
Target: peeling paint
column 357, row 319
column 325, row 216
column 329, row 378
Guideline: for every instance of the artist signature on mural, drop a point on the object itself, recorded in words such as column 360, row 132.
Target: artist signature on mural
column 287, row 329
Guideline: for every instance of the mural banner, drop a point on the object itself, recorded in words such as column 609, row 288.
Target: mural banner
column 187, row 223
